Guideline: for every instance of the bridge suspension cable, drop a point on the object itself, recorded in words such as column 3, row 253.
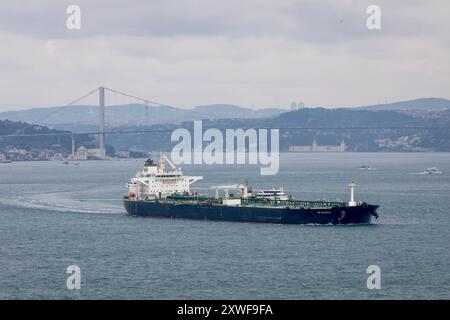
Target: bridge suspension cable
column 59, row 109
column 147, row 101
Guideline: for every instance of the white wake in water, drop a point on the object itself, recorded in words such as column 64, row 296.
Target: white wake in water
column 63, row 202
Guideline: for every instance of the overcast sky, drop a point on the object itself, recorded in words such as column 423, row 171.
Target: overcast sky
column 255, row 53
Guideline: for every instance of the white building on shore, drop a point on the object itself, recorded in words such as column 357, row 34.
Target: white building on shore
column 83, row 153
column 316, row 148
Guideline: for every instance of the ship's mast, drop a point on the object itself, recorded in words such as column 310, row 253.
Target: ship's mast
column 352, row 202
column 102, row 118
column 169, row 162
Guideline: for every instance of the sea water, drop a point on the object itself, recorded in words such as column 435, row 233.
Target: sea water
column 54, row 215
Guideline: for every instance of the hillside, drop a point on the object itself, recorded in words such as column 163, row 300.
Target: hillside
column 428, row 104
column 82, row 118
column 37, row 137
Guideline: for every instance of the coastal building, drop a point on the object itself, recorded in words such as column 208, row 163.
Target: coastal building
column 97, row 154
column 17, row 154
column 132, row 153
column 83, row 154
column 316, row 148
column 42, row 154
column 123, row 154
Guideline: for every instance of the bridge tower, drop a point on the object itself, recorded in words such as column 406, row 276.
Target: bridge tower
column 101, row 92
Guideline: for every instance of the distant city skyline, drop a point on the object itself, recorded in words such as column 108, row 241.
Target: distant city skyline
column 249, row 53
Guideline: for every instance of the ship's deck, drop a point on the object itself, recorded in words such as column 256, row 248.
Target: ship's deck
column 252, row 202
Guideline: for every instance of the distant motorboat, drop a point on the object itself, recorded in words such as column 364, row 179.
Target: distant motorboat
column 65, row 162
column 365, row 167
column 431, row 170
column 5, row 161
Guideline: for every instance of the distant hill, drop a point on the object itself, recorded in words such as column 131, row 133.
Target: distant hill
column 84, row 117
column 427, row 104
column 8, row 127
column 320, row 117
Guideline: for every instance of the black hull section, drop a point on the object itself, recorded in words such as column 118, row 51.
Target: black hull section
column 336, row 215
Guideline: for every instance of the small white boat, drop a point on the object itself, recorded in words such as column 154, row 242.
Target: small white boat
column 431, row 170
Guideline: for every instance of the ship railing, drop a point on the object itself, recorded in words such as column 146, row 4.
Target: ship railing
column 294, row 203
column 253, row 202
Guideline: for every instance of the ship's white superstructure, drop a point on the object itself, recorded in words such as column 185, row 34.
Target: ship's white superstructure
column 274, row 194
column 154, row 181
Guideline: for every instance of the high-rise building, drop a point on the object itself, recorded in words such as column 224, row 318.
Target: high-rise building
column 294, row 106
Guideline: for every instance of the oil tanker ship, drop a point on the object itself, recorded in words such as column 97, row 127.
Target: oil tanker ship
column 157, row 192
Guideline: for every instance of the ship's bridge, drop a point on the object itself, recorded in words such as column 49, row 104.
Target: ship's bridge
column 154, row 181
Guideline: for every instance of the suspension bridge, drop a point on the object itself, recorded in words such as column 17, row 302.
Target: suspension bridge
column 102, row 132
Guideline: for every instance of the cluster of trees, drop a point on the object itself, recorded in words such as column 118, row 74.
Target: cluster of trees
column 22, row 135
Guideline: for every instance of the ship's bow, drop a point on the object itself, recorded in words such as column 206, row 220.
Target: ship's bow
column 357, row 214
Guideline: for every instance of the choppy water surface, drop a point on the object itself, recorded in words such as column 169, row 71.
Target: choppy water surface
column 53, row 216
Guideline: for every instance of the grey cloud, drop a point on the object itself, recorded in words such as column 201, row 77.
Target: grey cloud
column 254, row 52
column 306, row 20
